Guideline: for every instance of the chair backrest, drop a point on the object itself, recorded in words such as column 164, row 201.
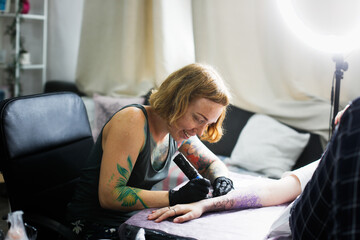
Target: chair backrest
column 44, row 141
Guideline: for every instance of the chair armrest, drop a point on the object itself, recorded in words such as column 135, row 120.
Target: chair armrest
column 45, row 223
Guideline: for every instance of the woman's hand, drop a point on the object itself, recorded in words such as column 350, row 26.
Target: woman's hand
column 195, row 190
column 339, row 115
column 187, row 212
column 221, row 186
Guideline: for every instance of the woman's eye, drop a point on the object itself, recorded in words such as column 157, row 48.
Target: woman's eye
column 201, row 121
column 197, row 119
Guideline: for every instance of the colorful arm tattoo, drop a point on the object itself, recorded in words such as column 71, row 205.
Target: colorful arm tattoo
column 196, row 153
column 203, row 159
column 127, row 195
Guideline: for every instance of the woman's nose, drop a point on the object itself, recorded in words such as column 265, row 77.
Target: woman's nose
column 201, row 129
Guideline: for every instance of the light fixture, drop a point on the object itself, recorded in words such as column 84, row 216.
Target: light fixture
column 331, row 43
column 324, row 42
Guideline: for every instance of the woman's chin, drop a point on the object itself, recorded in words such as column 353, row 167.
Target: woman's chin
column 177, row 138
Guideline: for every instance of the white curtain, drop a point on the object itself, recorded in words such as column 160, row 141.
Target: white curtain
column 267, row 67
column 64, row 26
column 128, row 46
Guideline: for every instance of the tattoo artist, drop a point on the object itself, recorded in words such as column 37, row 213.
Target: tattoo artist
column 134, row 150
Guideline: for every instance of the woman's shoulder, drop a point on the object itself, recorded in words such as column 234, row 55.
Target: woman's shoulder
column 129, row 122
column 131, row 112
column 128, row 117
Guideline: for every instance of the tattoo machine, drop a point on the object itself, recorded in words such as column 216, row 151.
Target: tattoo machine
column 185, row 166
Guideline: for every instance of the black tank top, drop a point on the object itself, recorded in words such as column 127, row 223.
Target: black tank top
column 85, row 203
column 144, row 176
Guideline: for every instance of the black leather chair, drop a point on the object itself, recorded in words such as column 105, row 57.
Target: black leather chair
column 44, row 141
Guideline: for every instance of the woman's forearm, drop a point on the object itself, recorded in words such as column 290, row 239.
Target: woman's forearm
column 216, row 169
column 131, row 199
column 205, row 161
column 257, row 195
column 236, row 199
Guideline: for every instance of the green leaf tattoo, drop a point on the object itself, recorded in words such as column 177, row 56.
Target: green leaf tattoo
column 127, row 195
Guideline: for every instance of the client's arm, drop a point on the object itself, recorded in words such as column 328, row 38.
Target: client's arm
column 256, row 195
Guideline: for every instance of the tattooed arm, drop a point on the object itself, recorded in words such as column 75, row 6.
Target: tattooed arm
column 205, row 161
column 257, row 195
column 123, row 138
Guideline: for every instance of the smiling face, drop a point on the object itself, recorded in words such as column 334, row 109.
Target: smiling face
column 180, row 88
column 199, row 114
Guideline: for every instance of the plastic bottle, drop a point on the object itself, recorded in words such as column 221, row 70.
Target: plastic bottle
column 17, row 228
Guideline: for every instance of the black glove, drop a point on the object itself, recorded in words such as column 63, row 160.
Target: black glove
column 196, row 189
column 221, row 186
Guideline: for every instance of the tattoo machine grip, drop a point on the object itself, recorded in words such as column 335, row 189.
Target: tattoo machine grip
column 186, row 167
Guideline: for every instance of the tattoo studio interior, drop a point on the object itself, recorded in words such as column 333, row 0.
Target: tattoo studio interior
column 149, row 119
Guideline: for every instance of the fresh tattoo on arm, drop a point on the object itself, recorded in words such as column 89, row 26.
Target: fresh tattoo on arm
column 235, row 200
column 127, row 195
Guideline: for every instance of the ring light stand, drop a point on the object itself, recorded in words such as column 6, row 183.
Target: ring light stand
column 340, row 67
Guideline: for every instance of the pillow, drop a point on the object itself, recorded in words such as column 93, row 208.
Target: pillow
column 267, row 146
column 105, row 107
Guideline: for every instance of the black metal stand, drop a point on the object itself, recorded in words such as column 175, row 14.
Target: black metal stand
column 340, row 67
